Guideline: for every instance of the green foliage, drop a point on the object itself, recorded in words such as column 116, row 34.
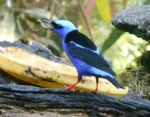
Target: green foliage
column 113, row 37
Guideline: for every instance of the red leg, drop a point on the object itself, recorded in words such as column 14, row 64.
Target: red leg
column 71, row 87
column 96, row 90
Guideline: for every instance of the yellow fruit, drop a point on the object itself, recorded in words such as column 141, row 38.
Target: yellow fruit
column 39, row 71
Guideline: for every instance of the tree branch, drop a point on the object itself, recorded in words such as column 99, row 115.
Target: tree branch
column 30, row 98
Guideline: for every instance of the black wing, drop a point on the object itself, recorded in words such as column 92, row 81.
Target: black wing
column 80, row 39
column 91, row 58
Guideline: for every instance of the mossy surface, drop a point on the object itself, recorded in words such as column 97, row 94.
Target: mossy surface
column 137, row 79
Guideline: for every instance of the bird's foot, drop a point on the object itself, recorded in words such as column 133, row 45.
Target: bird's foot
column 95, row 91
column 70, row 88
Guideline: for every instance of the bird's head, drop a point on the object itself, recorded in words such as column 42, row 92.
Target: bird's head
column 60, row 27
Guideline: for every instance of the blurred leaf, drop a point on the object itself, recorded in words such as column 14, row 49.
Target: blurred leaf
column 113, row 37
column 33, row 20
column 146, row 2
column 7, row 24
column 9, row 3
column 38, row 12
column 104, row 10
column 50, row 43
column 54, row 45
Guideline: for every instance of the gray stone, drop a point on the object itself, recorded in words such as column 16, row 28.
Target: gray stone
column 134, row 20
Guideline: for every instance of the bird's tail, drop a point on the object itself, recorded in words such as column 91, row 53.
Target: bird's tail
column 116, row 83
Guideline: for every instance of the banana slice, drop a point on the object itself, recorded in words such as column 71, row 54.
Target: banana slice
column 39, row 71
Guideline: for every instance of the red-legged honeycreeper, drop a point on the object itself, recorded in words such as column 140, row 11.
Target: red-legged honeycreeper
column 83, row 53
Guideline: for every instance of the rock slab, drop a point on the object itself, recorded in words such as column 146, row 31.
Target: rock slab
column 134, row 20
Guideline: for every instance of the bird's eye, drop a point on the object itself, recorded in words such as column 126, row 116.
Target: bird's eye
column 56, row 26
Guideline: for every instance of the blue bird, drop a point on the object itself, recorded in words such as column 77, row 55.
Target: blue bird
column 83, row 53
